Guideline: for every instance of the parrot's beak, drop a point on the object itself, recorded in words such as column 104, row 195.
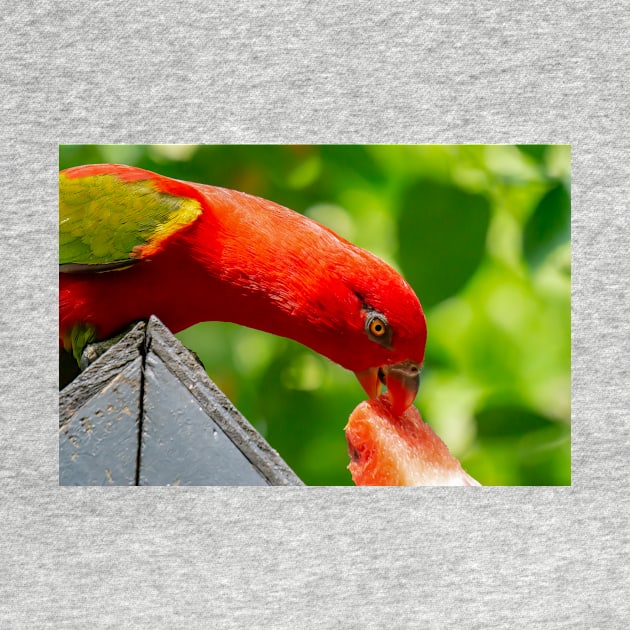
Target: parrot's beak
column 401, row 379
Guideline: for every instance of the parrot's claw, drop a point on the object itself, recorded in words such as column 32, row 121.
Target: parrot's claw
column 198, row 359
column 93, row 351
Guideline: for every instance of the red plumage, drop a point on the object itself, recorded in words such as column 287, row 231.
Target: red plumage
column 250, row 261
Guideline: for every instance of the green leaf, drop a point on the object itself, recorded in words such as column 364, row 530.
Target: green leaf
column 548, row 227
column 442, row 238
column 534, row 151
column 504, row 421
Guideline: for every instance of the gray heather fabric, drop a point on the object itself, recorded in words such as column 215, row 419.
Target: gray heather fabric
column 354, row 72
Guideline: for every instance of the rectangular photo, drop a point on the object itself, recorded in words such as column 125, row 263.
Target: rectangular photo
column 328, row 315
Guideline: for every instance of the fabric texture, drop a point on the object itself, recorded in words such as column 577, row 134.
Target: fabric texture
column 301, row 72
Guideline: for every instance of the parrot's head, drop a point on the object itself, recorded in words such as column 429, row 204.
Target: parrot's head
column 291, row 276
column 391, row 334
column 373, row 324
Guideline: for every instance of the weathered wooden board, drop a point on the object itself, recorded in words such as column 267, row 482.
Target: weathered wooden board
column 98, row 445
column 146, row 413
column 181, row 444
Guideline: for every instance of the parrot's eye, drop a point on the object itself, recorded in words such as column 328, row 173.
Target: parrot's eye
column 378, row 329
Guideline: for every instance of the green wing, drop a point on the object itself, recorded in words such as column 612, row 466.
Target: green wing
column 106, row 222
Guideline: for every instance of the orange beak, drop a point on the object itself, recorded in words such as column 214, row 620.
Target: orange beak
column 401, row 379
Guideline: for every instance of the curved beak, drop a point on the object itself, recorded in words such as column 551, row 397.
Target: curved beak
column 401, row 379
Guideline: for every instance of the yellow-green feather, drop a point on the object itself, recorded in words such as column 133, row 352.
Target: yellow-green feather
column 80, row 336
column 103, row 219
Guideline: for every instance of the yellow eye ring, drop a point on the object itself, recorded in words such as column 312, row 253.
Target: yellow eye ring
column 377, row 327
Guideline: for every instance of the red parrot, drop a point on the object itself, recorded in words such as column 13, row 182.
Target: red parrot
column 134, row 244
column 391, row 449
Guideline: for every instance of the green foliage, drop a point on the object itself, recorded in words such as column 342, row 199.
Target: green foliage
column 441, row 257
column 549, row 225
column 482, row 234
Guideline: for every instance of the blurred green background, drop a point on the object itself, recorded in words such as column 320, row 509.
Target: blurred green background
column 482, row 233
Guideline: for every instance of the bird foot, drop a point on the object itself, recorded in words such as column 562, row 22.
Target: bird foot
column 93, row 351
column 197, row 359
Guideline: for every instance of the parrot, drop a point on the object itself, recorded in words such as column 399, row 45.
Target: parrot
column 391, row 449
column 134, row 243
